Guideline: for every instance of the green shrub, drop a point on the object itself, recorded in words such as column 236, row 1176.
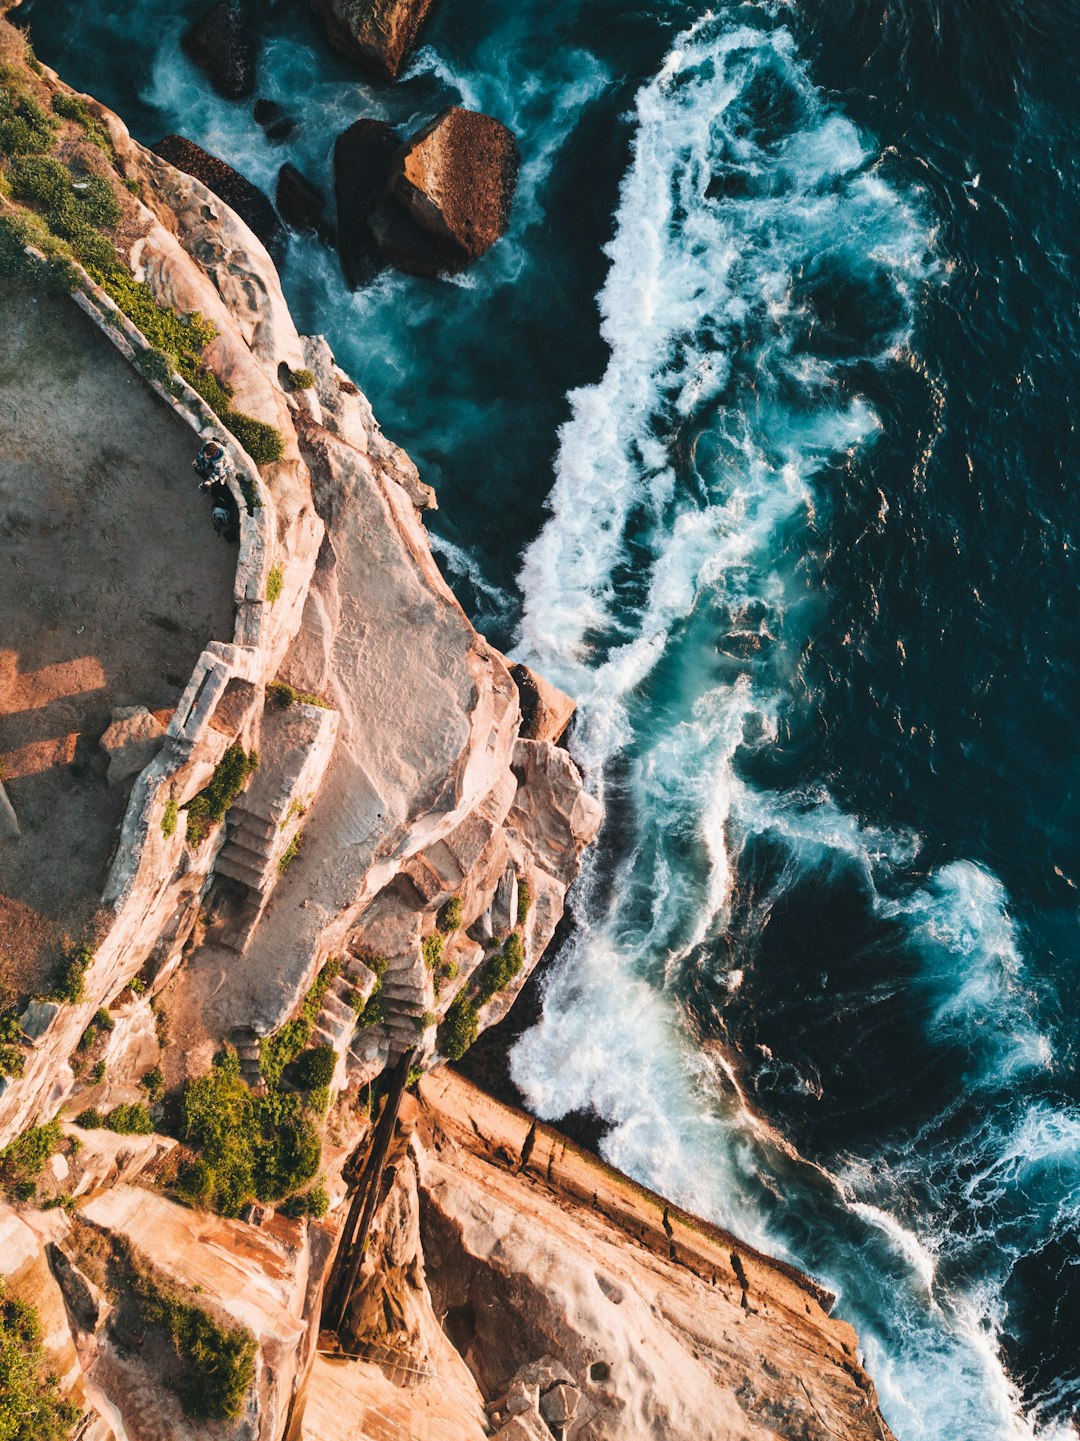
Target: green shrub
column 249, row 1146
column 136, row 985
column 11, row 1040
column 70, row 974
column 90, row 1120
column 425, row 1020
column 102, row 1020
column 371, row 1012
column 130, row 1120
column 158, row 367
column 230, row 776
column 290, row 853
column 153, row 1083
column 502, row 968
column 315, row 1068
column 286, row 695
column 459, row 1029
column 73, row 107
column 25, row 128
column 23, row 1160
column 301, row 379
column 97, row 1073
column 264, row 443
column 275, row 581
column 524, row 901
column 449, row 916
column 308, row 1203
column 217, row 1358
column 431, row 948
column 31, row 1405
column 169, row 817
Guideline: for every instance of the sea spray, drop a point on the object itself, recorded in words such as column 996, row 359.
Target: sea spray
column 665, row 593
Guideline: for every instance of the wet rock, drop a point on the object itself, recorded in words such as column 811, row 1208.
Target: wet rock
column 131, row 741
column 220, row 43
column 362, row 157
column 275, row 120
column 545, row 710
column 378, row 34
column 249, row 202
column 456, row 180
column 302, row 205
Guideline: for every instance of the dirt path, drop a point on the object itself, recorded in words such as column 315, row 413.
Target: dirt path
column 112, row 581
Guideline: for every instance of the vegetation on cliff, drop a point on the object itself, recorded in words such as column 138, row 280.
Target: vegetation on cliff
column 57, row 163
column 31, row 1405
column 22, row 1162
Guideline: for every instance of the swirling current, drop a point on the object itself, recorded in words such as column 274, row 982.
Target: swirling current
column 758, row 435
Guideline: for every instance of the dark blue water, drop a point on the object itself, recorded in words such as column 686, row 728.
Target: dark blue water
column 758, row 433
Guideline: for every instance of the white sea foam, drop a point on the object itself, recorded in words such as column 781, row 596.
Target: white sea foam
column 655, row 594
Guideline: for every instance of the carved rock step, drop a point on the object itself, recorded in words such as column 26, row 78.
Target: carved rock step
column 238, row 871
column 244, row 855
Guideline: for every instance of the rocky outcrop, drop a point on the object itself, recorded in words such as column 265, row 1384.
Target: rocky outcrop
column 378, row 34
column 429, row 207
column 580, row 1305
column 456, row 179
column 220, row 43
column 238, row 193
column 301, row 204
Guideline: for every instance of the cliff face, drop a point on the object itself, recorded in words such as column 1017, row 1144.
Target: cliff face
column 406, row 823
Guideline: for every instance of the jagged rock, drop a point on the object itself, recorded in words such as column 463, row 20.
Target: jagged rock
column 26, row 1277
column 456, row 179
column 131, row 741
column 275, row 120
column 546, row 711
column 521, row 1396
column 220, row 43
column 302, row 205
column 379, row 34
column 362, row 156
column 246, row 199
column 526, row 1427
column 87, row 1303
column 559, row 1405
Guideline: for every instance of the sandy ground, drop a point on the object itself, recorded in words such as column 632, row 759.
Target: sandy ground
column 112, row 581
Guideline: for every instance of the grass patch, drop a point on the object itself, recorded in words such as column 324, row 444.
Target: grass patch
column 290, row 853
column 249, row 1147
column 153, row 1083
column 449, row 916
column 524, row 901
column 169, row 817
column 459, row 1029
column 372, row 1012
column 23, row 1160
column 218, row 1359
column 12, row 1060
column 286, row 695
column 70, row 974
column 230, row 777
column 431, row 948
column 301, row 379
column 312, row 1203
column 74, row 107
column 32, row 1407
column 275, row 583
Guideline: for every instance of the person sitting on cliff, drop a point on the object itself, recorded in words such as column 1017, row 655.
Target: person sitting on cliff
column 212, row 465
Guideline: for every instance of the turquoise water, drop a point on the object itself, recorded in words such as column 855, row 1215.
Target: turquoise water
column 757, row 433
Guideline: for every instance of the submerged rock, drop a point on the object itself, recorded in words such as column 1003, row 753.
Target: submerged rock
column 246, row 199
column 378, row 34
column 302, row 205
column 456, row 180
column 220, row 43
column 275, row 120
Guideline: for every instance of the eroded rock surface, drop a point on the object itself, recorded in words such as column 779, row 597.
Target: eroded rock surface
column 378, row 34
column 238, row 193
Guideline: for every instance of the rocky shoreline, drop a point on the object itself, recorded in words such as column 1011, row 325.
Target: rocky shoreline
column 346, row 850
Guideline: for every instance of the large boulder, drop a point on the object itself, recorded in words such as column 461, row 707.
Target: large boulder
column 456, row 180
column 301, row 204
column 239, row 194
column 378, row 34
column 220, row 43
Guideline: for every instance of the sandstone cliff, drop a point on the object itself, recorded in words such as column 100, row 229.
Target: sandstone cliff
column 387, row 869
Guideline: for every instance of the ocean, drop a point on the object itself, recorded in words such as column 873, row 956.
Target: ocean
column 758, row 434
